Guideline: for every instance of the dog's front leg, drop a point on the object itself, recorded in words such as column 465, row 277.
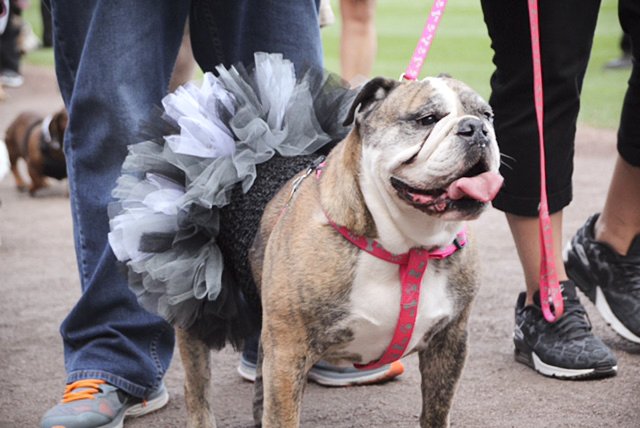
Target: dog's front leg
column 196, row 361
column 441, row 365
column 284, row 376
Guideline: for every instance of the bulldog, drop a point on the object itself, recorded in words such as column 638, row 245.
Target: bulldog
column 365, row 258
column 39, row 142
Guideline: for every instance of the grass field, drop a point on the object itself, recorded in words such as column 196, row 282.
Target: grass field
column 461, row 48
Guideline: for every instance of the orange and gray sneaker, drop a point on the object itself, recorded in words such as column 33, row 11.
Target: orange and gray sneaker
column 326, row 374
column 93, row 403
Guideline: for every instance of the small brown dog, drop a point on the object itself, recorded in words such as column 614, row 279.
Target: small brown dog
column 39, row 142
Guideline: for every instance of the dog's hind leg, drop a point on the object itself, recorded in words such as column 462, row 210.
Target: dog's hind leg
column 196, row 361
column 441, row 365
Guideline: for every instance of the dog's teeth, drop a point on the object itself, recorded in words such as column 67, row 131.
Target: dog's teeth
column 421, row 199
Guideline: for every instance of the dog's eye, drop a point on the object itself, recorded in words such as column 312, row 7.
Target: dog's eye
column 488, row 115
column 427, row 120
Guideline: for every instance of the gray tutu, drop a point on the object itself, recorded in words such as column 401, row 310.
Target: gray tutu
column 189, row 202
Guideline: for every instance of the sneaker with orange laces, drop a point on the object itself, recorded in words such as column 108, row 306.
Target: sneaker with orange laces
column 93, row 403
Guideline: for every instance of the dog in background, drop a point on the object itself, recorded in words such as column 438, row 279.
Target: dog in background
column 39, row 141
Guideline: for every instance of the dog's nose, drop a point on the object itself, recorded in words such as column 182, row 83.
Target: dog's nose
column 473, row 130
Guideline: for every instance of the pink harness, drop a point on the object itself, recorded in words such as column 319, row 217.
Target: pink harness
column 413, row 265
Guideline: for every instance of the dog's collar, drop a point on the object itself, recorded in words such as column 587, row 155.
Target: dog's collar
column 413, row 265
column 46, row 135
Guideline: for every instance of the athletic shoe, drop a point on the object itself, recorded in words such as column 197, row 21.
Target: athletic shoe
column 327, row 374
column 11, row 79
column 93, row 403
column 565, row 349
column 610, row 281
column 625, row 61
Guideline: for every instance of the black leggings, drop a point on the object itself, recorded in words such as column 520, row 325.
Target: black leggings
column 566, row 35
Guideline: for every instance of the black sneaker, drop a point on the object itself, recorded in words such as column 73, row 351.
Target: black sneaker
column 565, row 349
column 610, row 281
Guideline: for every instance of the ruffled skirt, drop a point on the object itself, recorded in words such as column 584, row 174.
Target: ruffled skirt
column 189, row 201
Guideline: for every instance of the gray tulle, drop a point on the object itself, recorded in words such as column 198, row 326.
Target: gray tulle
column 166, row 218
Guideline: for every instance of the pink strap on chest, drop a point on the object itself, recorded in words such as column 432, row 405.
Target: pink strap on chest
column 412, row 268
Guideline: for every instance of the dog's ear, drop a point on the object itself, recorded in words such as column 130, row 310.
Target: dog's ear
column 375, row 90
column 58, row 125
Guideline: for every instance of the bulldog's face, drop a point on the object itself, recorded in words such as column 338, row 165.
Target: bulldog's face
column 430, row 145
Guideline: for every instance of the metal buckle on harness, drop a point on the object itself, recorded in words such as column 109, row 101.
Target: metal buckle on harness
column 312, row 167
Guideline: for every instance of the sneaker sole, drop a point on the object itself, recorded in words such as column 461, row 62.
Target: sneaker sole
column 597, row 297
column 533, row 361
column 609, row 317
column 247, row 373
column 330, row 379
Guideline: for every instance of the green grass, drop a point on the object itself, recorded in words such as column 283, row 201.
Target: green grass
column 461, row 48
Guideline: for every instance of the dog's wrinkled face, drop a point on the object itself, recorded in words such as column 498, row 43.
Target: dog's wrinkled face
column 431, row 145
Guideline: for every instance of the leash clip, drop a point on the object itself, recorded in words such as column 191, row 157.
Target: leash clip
column 298, row 181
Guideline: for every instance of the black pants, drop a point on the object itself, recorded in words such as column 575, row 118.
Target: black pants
column 566, row 35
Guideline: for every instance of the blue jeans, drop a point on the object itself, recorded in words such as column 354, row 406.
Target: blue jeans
column 114, row 59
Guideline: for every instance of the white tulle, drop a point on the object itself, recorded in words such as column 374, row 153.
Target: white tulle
column 151, row 208
column 197, row 112
column 165, row 221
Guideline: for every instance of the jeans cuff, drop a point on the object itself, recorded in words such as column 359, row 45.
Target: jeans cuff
column 130, row 388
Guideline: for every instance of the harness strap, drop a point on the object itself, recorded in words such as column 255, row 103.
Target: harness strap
column 27, row 135
column 413, row 265
column 46, row 135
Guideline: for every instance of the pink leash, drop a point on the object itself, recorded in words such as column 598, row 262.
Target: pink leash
column 550, row 292
column 424, row 44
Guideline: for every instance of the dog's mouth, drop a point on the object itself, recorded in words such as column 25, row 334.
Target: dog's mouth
column 470, row 191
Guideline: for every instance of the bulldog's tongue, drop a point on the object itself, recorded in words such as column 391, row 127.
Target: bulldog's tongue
column 483, row 187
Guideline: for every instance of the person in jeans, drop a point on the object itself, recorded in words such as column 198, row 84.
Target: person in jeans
column 114, row 60
column 565, row 349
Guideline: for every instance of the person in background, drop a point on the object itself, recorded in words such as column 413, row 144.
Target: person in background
column 47, row 30
column 625, row 59
column 358, row 40
column 605, row 258
column 10, row 55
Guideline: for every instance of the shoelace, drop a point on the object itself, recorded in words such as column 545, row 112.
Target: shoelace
column 82, row 390
column 575, row 323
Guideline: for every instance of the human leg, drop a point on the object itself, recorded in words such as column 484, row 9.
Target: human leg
column 229, row 32
column 358, row 39
column 113, row 63
column 603, row 258
column 10, row 52
column 567, row 348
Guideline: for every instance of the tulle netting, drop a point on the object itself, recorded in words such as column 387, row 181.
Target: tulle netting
column 188, row 203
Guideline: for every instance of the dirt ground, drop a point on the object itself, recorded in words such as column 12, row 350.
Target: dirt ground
column 39, row 284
